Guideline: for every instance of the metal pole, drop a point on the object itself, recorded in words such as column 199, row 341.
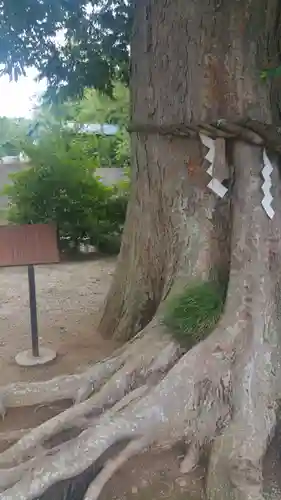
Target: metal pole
column 33, row 310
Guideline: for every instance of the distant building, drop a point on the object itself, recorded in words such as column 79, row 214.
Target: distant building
column 94, row 128
column 10, row 160
column 111, row 175
column 80, row 128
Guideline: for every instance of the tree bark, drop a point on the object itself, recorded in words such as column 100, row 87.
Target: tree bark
column 254, row 298
column 159, row 242
column 198, row 63
column 192, row 64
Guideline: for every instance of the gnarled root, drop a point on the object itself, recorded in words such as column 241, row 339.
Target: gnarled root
column 65, row 387
column 193, row 401
column 79, row 387
column 168, row 411
column 8, row 477
column 235, row 470
column 132, row 375
column 112, row 466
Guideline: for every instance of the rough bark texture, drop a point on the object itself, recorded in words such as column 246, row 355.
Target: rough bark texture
column 197, row 62
column 192, row 63
column 252, row 314
column 152, row 244
column 158, row 243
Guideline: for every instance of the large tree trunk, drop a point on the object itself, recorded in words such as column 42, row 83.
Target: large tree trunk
column 193, row 64
column 154, row 236
column 252, row 313
column 165, row 231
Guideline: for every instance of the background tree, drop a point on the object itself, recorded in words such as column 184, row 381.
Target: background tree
column 12, row 132
column 93, row 107
column 195, row 68
column 94, row 51
column 96, row 107
column 60, row 186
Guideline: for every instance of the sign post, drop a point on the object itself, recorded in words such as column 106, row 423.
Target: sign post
column 33, row 310
column 28, row 245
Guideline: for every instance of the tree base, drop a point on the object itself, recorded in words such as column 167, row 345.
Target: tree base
column 221, row 395
column 153, row 399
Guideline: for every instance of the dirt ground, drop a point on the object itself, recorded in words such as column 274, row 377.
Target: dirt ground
column 69, row 298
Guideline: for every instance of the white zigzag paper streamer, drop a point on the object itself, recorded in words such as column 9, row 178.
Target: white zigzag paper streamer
column 267, row 185
column 215, row 185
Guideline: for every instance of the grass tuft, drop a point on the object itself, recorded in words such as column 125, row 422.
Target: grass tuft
column 193, row 315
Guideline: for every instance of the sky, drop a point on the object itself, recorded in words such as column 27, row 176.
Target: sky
column 18, row 98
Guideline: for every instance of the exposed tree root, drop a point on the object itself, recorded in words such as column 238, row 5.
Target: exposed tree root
column 79, row 387
column 112, row 466
column 174, row 408
column 63, row 387
column 187, row 402
column 132, row 375
column 153, row 418
column 8, row 477
column 224, row 390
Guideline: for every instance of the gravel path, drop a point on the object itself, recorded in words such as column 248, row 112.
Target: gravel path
column 69, row 297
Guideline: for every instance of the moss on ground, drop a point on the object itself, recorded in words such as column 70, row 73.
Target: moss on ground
column 192, row 315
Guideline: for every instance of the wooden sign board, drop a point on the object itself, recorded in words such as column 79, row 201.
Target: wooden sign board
column 28, row 244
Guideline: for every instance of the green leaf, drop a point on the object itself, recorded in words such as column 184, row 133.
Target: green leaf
column 95, row 48
column 61, row 186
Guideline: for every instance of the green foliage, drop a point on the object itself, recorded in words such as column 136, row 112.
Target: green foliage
column 12, row 132
column 94, row 107
column 122, row 149
column 193, row 315
column 61, row 186
column 92, row 53
column 112, row 151
column 3, row 216
column 105, row 150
